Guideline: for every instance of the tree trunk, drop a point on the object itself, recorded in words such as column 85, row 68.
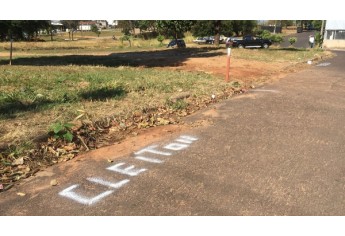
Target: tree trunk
column 51, row 34
column 217, row 25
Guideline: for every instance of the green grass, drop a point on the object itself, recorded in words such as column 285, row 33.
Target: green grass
column 101, row 91
column 275, row 54
column 44, row 86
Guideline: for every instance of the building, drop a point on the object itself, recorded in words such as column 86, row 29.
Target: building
column 334, row 36
column 102, row 24
column 56, row 25
column 112, row 23
column 86, row 25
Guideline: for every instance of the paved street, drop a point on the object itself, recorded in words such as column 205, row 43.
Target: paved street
column 275, row 150
column 302, row 40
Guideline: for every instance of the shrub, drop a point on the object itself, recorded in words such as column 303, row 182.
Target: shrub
column 318, row 39
column 275, row 38
column 62, row 131
column 292, row 40
column 265, row 34
column 160, row 39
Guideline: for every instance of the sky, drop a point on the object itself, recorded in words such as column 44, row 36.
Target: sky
column 172, row 10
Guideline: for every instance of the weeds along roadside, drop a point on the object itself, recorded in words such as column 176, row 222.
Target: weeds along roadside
column 140, row 99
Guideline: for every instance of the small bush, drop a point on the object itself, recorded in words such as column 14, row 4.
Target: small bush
column 275, row 38
column 62, row 131
column 160, row 39
column 265, row 34
column 292, row 40
column 318, row 39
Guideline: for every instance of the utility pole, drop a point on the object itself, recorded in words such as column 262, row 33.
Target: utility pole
column 11, row 49
column 322, row 28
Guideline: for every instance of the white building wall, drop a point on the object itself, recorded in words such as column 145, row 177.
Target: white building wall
column 85, row 27
column 334, row 36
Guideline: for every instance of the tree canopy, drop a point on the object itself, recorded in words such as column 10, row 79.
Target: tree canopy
column 22, row 29
column 174, row 28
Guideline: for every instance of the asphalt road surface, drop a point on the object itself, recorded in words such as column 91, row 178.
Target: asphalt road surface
column 275, row 150
column 302, row 40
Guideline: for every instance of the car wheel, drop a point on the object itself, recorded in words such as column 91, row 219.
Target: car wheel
column 265, row 45
column 240, row 46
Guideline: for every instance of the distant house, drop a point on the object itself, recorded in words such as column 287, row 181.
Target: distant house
column 86, row 25
column 102, row 24
column 334, row 36
column 112, row 23
column 56, row 25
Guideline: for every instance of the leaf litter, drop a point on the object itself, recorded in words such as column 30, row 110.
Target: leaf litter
column 90, row 135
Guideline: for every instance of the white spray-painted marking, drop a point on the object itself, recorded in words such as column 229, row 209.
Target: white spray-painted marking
column 149, row 159
column 151, row 149
column 68, row 192
column 176, row 146
column 107, row 183
column 184, row 142
column 127, row 171
column 324, row 64
column 188, row 137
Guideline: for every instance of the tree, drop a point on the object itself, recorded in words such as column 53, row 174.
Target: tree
column 22, row 29
column 160, row 39
column 146, row 25
column 286, row 23
column 127, row 38
column 316, row 24
column 127, row 26
column 71, row 25
column 174, row 28
column 5, row 26
column 217, row 25
column 241, row 27
column 95, row 29
column 222, row 27
column 203, row 28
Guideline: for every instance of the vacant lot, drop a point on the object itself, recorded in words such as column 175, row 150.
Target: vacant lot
column 108, row 93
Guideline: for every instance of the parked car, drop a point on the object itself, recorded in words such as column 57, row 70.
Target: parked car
column 179, row 43
column 200, row 40
column 249, row 41
column 229, row 40
column 210, row 39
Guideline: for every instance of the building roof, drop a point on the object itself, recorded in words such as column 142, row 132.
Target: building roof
column 335, row 25
column 87, row 22
column 56, row 22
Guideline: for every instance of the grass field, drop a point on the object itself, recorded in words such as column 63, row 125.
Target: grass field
column 57, row 86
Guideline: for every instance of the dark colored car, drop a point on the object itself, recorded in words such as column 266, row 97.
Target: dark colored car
column 177, row 43
column 249, row 41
